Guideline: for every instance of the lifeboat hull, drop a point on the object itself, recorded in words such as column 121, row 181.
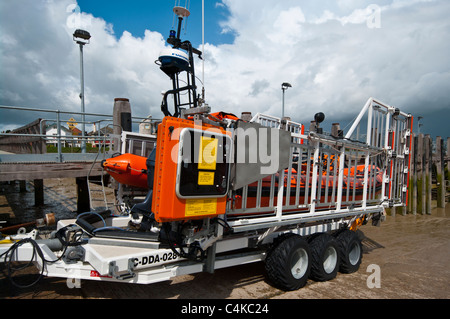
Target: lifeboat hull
column 128, row 169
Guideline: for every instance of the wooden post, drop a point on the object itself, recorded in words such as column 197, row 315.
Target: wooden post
column 414, row 172
column 428, row 167
column 38, row 192
column 121, row 119
column 411, row 176
column 335, row 129
column 440, row 172
column 447, row 178
column 23, row 186
column 246, row 116
column 420, row 176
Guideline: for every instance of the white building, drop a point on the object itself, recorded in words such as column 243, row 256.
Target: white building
column 52, row 130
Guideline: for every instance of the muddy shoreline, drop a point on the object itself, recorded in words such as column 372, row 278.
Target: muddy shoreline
column 412, row 254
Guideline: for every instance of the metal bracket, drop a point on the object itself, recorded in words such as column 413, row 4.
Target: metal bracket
column 196, row 110
column 128, row 275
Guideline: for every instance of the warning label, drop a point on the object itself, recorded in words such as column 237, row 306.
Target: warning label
column 200, row 207
column 206, row 178
column 208, row 153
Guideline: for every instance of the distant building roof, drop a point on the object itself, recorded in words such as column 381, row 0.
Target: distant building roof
column 55, row 126
column 103, row 131
column 76, row 131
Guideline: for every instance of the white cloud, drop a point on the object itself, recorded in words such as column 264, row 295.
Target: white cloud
column 324, row 49
column 40, row 62
column 334, row 60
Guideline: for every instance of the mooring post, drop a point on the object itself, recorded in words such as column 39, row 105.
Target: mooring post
column 121, row 120
column 448, row 165
column 440, row 172
column 411, row 176
column 420, row 175
column 428, row 163
column 335, row 130
column 23, row 186
column 38, row 192
column 415, row 190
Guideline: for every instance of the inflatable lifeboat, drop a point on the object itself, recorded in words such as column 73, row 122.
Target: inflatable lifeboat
column 131, row 170
column 352, row 180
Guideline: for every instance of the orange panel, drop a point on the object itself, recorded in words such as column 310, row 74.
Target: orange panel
column 166, row 205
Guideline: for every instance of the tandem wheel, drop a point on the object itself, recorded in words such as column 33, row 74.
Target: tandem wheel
column 350, row 247
column 325, row 255
column 288, row 262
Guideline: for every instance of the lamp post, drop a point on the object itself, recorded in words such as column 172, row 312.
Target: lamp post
column 284, row 87
column 82, row 37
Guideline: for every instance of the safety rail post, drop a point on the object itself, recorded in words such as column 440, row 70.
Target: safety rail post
column 279, row 206
column 58, row 125
column 314, row 176
column 367, row 159
column 386, row 147
column 340, row 179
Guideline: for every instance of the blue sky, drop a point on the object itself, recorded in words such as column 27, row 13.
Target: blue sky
column 335, row 53
column 136, row 16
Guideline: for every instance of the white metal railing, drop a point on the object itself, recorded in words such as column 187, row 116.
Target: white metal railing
column 101, row 121
column 328, row 176
column 137, row 144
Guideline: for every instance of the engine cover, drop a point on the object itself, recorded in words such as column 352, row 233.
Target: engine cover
column 191, row 170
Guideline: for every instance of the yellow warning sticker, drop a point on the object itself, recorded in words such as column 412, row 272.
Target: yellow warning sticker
column 200, row 207
column 208, row 153
column 206, row 178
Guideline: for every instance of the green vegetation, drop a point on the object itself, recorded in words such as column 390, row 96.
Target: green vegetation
column 66, row 149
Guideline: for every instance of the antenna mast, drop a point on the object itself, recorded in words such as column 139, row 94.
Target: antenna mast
column 177, row 60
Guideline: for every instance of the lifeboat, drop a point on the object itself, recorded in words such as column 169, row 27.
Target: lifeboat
column 352, row 180
column 131, row 170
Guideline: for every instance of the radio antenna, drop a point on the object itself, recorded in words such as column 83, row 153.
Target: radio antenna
column 177, row 60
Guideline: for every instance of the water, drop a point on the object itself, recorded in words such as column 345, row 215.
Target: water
column 60, row 198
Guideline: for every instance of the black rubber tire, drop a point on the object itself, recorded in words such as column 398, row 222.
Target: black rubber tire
column 350, row 247
column 325, row 257
column 287, row 253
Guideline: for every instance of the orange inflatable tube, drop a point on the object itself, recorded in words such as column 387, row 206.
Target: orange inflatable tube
column 128, row 169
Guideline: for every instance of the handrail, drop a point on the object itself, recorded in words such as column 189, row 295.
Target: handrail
column 16, row 139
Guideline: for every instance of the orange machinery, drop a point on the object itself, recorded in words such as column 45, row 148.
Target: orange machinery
column 194, row 161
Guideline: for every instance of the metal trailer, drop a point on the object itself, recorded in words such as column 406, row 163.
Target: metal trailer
column 298, row 232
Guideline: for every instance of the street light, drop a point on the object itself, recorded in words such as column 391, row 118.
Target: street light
column 284, row 87
column 82, row 37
